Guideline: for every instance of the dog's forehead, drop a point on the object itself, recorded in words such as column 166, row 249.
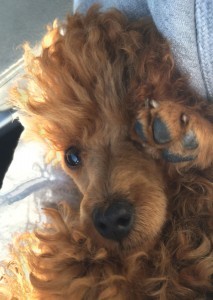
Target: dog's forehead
column 88, row 118
column 109, row 131
column 84, row 78
column 103, row 129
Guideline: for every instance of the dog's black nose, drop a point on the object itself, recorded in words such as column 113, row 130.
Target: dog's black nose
column 116, row 221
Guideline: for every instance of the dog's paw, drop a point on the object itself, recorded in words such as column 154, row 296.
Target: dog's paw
column 175, row 133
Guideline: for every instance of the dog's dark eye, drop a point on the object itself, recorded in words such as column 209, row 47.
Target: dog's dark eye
column 72, row 157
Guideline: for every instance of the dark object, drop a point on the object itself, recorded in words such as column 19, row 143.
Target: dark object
column 9, row 136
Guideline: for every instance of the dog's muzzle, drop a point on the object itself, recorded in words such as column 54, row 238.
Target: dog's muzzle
column 114, row 222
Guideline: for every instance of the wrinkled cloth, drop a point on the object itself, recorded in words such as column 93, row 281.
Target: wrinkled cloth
column 29, row 185
column 188, row 25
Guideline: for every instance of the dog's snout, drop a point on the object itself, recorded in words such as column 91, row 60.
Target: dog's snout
column 116, row 221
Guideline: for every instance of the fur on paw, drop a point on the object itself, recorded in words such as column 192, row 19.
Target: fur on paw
column 176, row 133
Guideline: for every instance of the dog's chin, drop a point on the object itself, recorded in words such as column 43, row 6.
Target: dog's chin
column 128, row 245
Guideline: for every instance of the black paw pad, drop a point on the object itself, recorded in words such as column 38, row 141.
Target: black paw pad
column 190, row 141
column 176, row 158
column 139, row 130
column 161, row 133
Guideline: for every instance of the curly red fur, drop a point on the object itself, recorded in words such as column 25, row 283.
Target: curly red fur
column 86, row 88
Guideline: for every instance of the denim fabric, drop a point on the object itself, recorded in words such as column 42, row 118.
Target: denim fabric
column 188, row 25
column 204, row 26
column 133, row 8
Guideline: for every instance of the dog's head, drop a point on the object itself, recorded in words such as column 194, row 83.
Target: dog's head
column 79, row 101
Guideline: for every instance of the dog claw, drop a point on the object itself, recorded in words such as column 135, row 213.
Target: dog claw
column 190, row 141
column 184, row 119
column 161, row 133
column 176, row 158
column 153, row 103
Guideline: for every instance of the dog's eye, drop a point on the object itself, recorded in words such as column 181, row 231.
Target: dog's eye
column 72, row 157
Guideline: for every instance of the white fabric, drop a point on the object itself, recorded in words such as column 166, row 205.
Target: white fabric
column 28, row 185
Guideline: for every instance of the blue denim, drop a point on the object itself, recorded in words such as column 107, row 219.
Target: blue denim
column 188, row 25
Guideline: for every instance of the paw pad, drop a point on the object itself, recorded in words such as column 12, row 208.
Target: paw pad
column 176, row 158
column 161, row 132
column 190, row 141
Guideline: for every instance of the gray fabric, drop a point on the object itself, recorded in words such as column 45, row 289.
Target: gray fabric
column 188, row 25
column 176, row 20
column 134, row 9
column 204, row 25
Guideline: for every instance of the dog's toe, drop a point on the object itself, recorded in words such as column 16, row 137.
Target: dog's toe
column 161, row 132
column 189, row 141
